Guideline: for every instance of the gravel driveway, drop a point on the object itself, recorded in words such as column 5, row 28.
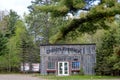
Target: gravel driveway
column 18, row 77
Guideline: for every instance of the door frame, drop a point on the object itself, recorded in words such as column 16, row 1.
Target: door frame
column 63, row 68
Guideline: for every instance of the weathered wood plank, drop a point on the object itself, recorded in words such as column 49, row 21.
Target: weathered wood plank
column 83, row 53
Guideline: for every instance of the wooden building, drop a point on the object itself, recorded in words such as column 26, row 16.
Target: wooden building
column 67, row 59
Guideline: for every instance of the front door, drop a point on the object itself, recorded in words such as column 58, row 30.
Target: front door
column 63, row 68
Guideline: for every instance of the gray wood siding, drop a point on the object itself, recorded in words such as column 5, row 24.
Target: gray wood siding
column 85, row 53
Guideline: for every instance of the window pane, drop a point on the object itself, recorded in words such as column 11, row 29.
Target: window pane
column 60, row 68
column 75, row 65
column 66, row 68
column 51, row 65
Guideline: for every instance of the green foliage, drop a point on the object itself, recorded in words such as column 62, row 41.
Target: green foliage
column 14, row 40
column 13, row 55
column 67, row 3
column 3, row 25
column 12, row 19
column 42, row 24
column 81, row 71
column 109, row 3
column 3, row 47
column 8, row 43
column 78, row 4
column 62, row 8
column 108, row 58
column 4, row 63
column 106, row 49
column 93, row 20
column 55, row 11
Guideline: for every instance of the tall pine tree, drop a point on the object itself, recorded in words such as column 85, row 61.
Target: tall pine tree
column 94, row 19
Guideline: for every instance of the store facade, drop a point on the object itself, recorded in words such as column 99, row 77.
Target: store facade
column 67, row 59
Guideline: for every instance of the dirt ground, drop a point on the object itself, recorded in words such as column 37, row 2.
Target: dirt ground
column 18, row 77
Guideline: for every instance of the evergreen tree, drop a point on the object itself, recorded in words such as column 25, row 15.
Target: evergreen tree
column 103, row 67
column 108, row 52
column 3, row 44
column 41, row 25
column 12, row 19
column 94, row 19
column 38, row 23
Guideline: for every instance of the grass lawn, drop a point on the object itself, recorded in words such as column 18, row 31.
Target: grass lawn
column 78, row 77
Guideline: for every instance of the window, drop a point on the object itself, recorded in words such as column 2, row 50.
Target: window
column 76, row 65
column 51, row 65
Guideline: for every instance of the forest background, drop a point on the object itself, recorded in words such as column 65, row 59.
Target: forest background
column 62, row 22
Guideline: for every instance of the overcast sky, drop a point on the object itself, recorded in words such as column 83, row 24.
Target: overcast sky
column 20, row 6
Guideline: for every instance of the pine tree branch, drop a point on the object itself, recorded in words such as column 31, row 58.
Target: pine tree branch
column 91, row 16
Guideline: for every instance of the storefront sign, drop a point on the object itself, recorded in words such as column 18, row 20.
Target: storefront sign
column 55, row 49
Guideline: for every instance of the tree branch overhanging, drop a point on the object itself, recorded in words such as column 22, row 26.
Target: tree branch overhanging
column 75, row 23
